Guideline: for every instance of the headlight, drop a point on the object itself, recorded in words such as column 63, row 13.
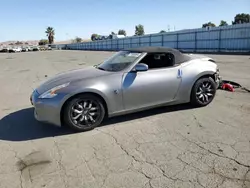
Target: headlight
column 52, row 92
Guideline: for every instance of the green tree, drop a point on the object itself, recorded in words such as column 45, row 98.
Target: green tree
column 50, row 34
column 122, row 32
column 78, row 39
column 162, row 31
column 223, row 23
column 43, row 42
column 209, row 24
column 139, row 30
column 241, row 18
column 112, row 33
column 93, row 36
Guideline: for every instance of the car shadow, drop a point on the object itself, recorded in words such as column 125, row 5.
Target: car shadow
column 22, row 126
column 146, row 113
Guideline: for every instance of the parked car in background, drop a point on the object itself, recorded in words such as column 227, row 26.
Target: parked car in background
column 4, row 50
column 48, row 47
column 30, row 48
column 18, row 49
column 36, row 48
column 24, row 49
column 15, row 49
column 12, row 50
column 131, row 80
column 42, row 48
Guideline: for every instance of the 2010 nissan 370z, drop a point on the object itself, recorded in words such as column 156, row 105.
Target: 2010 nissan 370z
column 131, row 80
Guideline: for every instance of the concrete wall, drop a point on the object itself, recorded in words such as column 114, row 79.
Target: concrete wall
column 233, row 38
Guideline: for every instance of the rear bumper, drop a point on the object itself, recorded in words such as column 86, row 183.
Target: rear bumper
column 217, row 79
column 45, row 110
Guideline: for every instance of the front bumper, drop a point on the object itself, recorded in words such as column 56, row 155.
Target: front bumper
column 46, row 110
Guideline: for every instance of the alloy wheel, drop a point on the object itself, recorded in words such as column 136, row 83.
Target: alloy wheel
column 84, row 113
column 205, row 92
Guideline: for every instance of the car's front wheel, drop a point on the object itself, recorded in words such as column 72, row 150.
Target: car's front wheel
column 203, row 91
column 84, row 112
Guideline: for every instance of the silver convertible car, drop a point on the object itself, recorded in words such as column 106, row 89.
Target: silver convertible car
column 131, row 80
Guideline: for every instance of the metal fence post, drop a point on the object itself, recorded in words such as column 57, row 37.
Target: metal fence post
column 150, row 40
column 162, row 40
column 195, row 41
column 177, row 41
column 219, row 45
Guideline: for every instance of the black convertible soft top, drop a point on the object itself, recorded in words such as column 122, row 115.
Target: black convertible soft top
column 179, row 57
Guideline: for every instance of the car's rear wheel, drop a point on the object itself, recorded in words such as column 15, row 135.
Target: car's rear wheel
column 84, row 112
column 203, row 91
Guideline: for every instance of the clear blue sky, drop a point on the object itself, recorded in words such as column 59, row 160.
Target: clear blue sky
column 27, row 19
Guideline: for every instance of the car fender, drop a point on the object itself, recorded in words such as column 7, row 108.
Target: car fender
column 85, row 90
column 111, row 93
column 192, row 71
column 204, row 73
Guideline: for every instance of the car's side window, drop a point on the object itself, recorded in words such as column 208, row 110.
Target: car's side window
column 158, row 60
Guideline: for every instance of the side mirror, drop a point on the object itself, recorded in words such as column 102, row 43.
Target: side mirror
column 141, row 67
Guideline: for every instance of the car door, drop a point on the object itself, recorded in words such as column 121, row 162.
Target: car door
column 151, row 87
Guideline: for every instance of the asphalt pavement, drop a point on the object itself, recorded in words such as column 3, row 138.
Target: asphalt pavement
column 176, row 146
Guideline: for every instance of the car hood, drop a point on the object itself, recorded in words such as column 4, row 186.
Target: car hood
column 70, row 76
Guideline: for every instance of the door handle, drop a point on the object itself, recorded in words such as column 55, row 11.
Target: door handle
column 179, row 73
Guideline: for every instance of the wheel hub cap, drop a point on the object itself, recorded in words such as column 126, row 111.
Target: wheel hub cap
column 205, row 92
column 85, row 113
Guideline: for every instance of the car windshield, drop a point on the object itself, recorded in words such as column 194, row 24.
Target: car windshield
column 119, row 61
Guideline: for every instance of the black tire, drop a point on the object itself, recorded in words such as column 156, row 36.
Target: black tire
column 91, row 122
column 200, row 95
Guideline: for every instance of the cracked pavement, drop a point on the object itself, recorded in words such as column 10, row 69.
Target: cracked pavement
column 167, row 147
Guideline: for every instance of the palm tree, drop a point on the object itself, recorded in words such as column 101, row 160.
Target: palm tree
column 50, row 33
